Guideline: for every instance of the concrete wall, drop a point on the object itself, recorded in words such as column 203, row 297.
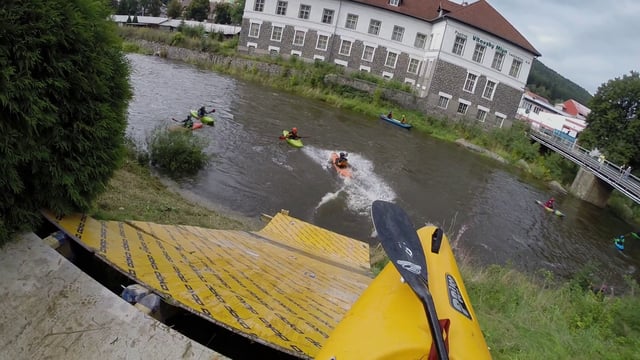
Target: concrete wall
column 590, row 188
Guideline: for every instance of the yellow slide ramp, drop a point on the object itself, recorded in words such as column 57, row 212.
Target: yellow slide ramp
column 286, row 286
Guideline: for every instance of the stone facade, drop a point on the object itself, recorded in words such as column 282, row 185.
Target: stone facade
column 450, row 78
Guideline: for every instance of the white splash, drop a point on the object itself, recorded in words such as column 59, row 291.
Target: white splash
column 361, row 190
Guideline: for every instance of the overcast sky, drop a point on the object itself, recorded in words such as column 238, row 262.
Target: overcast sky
column 587, row 41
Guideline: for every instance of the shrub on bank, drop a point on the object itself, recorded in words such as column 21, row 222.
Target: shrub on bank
column 178, row 153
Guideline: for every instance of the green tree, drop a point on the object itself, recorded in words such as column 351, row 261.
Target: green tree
column 174, row 9
column 123, row 7
column 64, row 93
column 222, row 13
column 237, row 12
column 198, row 10
column 150, row 7
column 613, row 124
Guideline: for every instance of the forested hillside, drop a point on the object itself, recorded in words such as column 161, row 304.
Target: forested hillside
column 553, row 86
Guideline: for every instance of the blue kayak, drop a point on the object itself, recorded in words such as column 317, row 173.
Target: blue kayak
column 396, row 122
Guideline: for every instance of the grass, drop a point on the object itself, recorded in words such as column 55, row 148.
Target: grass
column 134, row 193
column 526, row 318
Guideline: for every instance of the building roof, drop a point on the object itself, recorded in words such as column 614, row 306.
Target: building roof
column 141, row 19
column 575, row 108
column 479, row 14
column 208, row 27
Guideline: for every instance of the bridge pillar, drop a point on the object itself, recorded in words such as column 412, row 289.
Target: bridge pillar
column 590, row 188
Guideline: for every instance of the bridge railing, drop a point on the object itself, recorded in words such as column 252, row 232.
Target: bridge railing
column 609, row 172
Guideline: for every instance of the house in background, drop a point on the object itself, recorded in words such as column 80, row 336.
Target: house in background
column 542, row 116
column 574, row 108
column 464, row 60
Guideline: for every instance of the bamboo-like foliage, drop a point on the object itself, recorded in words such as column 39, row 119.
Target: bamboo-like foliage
column 64, row 91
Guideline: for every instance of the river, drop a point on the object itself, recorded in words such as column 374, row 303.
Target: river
column 487, row 209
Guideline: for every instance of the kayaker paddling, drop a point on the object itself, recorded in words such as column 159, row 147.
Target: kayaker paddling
column 342, row 161
column 293, row 134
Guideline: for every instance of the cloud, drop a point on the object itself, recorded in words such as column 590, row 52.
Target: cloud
column 589, row 42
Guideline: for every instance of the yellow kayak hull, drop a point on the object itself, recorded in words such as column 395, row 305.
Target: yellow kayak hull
column 388, row 321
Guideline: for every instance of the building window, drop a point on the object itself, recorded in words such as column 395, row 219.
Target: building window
column 254, row 30
column 345, row 48
column 323, row 40
column 398, row 33
column 414, row 65
column 470, row 83
column 458, row 46
column 352, row 21
column 391, row 59
column 367, row 53
column 536, row 110
column 374, row 27
column 421, row 40
column 327, row 16
column 276, row 33
column 498, row 59
column 478, row 53
column 489, row 90
column 298, row 38
column 443, row 102
column 305, row 10
column 481, row 115
column 281, row 9
column 462, row 108
column 258, row 5
column 515, row 68
column 394, row 2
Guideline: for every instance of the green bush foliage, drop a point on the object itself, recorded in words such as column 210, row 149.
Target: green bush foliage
column 64, row 91
column 179, row 153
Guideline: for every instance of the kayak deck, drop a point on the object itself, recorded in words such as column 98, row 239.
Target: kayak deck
column 388, row 321
column 554, row 211
column 208, row 120
column 297, row 143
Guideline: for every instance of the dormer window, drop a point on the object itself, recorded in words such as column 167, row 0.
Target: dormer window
column 394, row 2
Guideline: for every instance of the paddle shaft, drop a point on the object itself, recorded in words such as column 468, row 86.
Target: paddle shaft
column 404, row 249
column 434, row 324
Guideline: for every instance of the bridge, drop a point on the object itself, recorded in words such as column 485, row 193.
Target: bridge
column 606, row 171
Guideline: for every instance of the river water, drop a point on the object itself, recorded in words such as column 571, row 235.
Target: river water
column 487, row 209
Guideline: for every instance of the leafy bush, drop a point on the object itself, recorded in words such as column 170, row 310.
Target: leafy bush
column 178, row 152
column 63, row 99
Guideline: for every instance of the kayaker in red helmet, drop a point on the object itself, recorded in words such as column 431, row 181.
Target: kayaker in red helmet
column 293, row 134
column 550, row 203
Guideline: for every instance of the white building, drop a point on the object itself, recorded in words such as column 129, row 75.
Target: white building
column 464, row 60
column 537, row 111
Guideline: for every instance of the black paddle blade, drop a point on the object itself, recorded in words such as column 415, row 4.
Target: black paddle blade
column 401, row 243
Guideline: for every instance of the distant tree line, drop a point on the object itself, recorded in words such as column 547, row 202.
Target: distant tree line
column 138, row 7
column 199, row 10
column 553, row 86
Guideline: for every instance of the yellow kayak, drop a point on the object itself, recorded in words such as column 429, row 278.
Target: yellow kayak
column 388, row 321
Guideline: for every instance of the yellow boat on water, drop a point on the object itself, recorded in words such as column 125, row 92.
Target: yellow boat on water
column 388, row 321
